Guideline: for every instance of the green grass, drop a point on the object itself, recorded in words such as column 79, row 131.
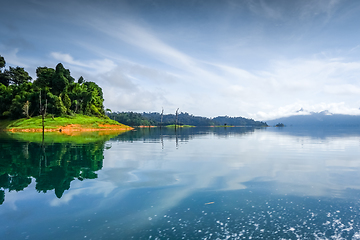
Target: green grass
column 50, row 123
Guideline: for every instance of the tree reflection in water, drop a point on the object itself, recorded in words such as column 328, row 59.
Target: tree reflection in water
column 53, row 166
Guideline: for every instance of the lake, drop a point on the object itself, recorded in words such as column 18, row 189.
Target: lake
column 195, row 183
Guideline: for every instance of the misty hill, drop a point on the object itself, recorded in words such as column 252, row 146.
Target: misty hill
column 237, row 121
column 320, row 119
column 154, row 118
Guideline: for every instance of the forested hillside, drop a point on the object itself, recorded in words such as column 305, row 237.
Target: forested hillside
column 154, row 118
column 54, row 92
column 131, row 119
column 238, row 121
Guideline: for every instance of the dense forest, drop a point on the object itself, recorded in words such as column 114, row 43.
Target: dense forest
column 131, row 119
column 238, row 121
column 54, row 92
column 154, row 119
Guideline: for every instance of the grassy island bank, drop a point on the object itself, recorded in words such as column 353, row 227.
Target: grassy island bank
column 65, row 124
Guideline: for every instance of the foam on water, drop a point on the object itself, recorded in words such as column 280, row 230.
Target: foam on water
column 259, row 217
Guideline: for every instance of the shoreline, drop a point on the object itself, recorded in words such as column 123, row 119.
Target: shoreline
column 72, row 128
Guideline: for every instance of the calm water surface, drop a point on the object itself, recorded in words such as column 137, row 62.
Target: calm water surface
column 211, row 183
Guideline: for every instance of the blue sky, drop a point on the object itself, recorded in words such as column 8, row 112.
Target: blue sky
column 256, row 59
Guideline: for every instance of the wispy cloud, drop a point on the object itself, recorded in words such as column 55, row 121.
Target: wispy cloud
column 263, row 8
column 268, row 58
column 240, row 90
column 96, row 66
column 316, row 7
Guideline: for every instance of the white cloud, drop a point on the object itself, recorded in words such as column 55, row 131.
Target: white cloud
column 12, row 58
column 95, row 66
column 66, row 58
column 149, row 43
column 343, row 89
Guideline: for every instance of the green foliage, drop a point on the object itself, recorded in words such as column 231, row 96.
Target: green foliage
column 2, row 62
column 17, row 75
column 93, row 99
column 60, row 81
column 44, row 77
column 26, row 109
column 238, row 121
column 55, row 89
column 59, row 107
column 66, row 101
column 3, row 78
column 80, row 80
column 131, row 119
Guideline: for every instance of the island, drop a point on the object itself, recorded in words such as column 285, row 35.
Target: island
column 54, row 101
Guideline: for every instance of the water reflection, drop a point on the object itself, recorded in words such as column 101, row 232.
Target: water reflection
column 53, row 166
column 262, row 183
column 182, row 134
column 315, row 163
column 234, row 159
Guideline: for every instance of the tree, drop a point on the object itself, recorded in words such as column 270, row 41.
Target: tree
column 93, row 99
column 60, row 109
column 81, row 80
column 59, row 81
column 75, row 93
column 5, row 100
column 19, row 97
column 26, row 109
column 2, row 62
column 44, row 77
column 3, row 78
column 17, row 75
column 66, row 101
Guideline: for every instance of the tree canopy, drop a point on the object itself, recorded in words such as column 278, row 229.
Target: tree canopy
column 53, row 88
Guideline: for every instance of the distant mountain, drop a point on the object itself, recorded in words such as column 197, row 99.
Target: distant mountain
column 320, row 119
